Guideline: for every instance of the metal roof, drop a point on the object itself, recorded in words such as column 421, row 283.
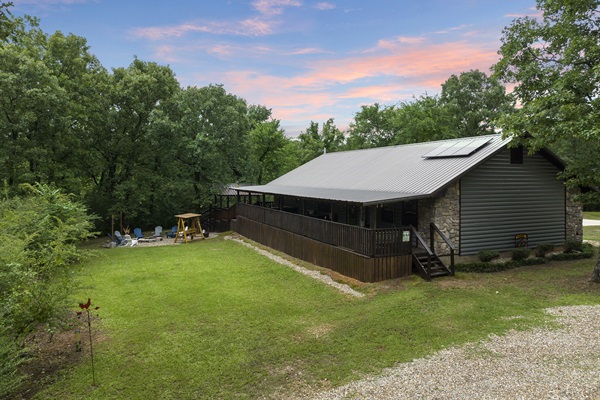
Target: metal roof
column 380, row 175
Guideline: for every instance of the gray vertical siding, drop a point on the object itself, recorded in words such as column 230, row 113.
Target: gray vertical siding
column 500, row 200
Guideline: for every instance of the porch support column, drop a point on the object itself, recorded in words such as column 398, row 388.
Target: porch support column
column 373, row 217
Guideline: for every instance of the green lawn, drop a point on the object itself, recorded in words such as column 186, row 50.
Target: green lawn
column 591, row 215
column 591, row 232
column 213, row 319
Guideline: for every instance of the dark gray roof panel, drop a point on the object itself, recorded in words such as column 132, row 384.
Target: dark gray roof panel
column 382, row 174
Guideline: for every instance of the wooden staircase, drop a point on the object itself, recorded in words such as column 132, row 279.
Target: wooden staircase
column 429, row 266
column 425, row 261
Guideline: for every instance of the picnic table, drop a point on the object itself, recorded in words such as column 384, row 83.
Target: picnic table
column 184, row 230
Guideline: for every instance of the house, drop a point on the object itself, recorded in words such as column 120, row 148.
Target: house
column 376, row 214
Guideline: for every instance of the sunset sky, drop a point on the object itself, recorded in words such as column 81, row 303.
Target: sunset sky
column 306, row 60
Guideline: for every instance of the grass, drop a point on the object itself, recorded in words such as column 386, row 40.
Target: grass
column 591, row 215
column 591, row 232
column 213, row 319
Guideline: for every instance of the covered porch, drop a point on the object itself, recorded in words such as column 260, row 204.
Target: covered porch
column 331, row 236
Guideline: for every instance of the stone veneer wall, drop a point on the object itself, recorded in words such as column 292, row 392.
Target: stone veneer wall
column 574, row 216
column 445, row 213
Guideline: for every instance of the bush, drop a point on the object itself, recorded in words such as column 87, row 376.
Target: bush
column 10, row 354
column 573, row 246
column 520, row 253
column 488, row 255
column 543, row 249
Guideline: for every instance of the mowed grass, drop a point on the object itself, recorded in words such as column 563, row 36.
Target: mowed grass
column 214, row 319
column 591, row 215
column 591, row 232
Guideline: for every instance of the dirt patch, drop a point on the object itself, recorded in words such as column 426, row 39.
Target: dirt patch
column 49, row 355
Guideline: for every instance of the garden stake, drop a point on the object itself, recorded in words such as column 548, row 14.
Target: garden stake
column 86, row 307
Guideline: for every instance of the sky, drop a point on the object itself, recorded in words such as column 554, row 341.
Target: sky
column 306, row 60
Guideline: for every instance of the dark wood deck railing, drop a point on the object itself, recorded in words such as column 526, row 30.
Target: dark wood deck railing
column 369, row 242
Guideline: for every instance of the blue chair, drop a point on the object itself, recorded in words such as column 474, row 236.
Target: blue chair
column 138, row 233
column 172, row 233
column 119, row 239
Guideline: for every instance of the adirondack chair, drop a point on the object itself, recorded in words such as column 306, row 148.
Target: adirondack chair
column 158, row 232
column 119, row 239
column 172, row 233
column 138, row 233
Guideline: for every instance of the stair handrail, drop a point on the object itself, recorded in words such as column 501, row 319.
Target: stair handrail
column 434, row 229
column 430, row 254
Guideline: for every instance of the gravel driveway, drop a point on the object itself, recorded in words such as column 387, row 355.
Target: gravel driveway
column 541, row 363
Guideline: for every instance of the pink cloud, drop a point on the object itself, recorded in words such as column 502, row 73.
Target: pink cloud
column 307, row 50
column 248, row 27
column 390, row 74
column 274, row 7
column 324, row 6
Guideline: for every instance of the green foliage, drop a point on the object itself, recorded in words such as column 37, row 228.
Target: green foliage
column 543, row 248
column 475, row 101
column 272, row 153
column 39, row 233
column 573, row 246
column 10, row 354
column 520, row 253
column 313, row 143
column 487, row 255
column 480, row 266
column 373, row 126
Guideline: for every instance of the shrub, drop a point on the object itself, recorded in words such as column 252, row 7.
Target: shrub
column 573, row 246
column 10, row 354
column 488, row 255
column 543, row 249
column 520, row 253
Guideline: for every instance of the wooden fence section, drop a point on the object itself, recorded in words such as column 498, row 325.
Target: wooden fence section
column 345, row 262
column 369, row 242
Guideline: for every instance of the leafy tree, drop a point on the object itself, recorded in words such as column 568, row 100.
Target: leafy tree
column 372, row 127
column 272, row 154
column 422, row 120
column 121, row 157
column 554, row 64
column 474, row 102
column 313, row 143
column 210, row 131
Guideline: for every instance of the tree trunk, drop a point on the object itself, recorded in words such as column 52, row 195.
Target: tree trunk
column 596, row 273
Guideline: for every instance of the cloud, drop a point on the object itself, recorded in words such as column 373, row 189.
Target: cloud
column 324, row 6
column 249, row 27
column 393, row 71
column 452, row 29
column 274, row 7
column 306, row 50
column 534, row 13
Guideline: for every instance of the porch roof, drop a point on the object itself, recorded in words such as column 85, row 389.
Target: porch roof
column 385, row 174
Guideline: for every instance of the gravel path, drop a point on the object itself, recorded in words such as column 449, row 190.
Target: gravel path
column 540, row 363
column 313, row 274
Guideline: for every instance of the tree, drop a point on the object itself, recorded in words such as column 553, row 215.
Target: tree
column 209, row 128
column 422, row 120
column 121, row 160
column 554, row 64
column 372, row 127
column 271, row 151
column 313, row 143
column 475, row 101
